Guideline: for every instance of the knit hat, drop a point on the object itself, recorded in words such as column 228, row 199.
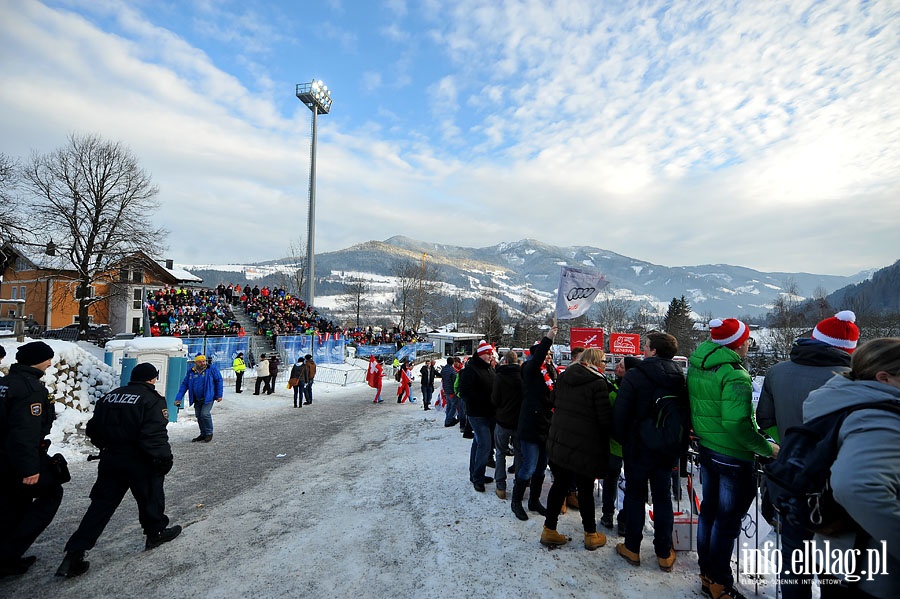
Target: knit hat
column 143, row 372
column 34, row 353
column 839, row 331
column 730, row 332
column 484, row 348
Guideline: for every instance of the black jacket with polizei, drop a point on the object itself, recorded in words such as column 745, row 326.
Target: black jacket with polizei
column 507, row 395
column 476, row 382
column 131, row 420
column 652, row 377
column 26, row 417
column 537, row 398
column 580, row 428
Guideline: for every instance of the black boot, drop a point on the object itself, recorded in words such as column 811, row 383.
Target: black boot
column 534, row 496
column 163, row 536
column 518, row 494
column 73, row 565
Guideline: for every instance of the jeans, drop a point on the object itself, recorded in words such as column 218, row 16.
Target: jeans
column 502, row 437
column 639, row 470
column 298, row 394
column 728, row 490
column 427, row 392
column 461, row 407
column 792, row 538
column 452, row 409
column 534, row 459
column 203, row 411
column 481, row 447
column 307, row 391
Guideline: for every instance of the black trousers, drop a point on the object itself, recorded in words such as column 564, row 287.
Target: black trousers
column 25, row 510
column 238, row 381
column 262, row 380
column 117, row 474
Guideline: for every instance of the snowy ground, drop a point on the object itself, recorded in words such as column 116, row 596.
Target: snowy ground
column 342, row 498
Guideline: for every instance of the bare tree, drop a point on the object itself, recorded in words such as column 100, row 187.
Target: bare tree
column 355, row 298
column 92, row 197
column 528, row 325
column 785, row 320
column 613, row 313
column 489, row 318
column 12, row 226
column 294, row 280
column 417, row 290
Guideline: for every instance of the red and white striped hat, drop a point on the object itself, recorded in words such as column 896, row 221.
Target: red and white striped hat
column 839, row 331
column 729, row 332
column 484, row 348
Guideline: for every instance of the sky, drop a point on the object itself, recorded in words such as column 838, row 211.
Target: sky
column 365, row 501
column 759, row 134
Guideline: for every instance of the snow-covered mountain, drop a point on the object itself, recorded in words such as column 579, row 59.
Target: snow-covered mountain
column 511, row 271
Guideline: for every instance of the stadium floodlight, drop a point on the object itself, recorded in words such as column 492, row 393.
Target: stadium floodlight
column 317, row 98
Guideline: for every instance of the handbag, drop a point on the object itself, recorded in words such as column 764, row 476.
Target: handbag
column 293, row 382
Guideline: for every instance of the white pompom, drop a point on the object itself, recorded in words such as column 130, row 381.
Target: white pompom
column 846, row 316
column 715, row 323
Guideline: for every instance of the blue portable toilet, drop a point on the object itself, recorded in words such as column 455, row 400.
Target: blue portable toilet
column 168, row 354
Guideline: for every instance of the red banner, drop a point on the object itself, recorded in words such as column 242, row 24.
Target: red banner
column 625, row 343
column 587, row 337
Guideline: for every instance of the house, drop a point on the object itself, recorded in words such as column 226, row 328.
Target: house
column 50, row 288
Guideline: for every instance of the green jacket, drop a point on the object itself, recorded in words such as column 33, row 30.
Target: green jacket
column 238, row 365
column 722, row 403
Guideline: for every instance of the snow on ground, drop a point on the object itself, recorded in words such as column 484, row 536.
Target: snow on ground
column 353, row 499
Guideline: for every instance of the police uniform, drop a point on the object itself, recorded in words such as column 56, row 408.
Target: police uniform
column 129, row 427
column 26, row 416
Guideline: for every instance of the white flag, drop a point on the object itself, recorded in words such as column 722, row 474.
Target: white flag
column 577, row 291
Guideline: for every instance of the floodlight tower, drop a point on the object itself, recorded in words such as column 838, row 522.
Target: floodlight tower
column 318, row 99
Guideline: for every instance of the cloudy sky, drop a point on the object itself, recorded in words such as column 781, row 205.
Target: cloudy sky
column 762, row 134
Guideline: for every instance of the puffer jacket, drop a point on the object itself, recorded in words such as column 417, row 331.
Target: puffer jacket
column 580, row 429
column 507, row 395
column 865, row 477
column 651, row 378
column 721, row 396
column 201, row 387
column 476, row 382
column 537, row 398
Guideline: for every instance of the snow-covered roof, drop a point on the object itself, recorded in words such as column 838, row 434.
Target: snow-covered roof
column 182, row 275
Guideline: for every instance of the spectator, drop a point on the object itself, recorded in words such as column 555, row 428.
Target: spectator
column 448, row 379
column 262, row 376
column 203, row 383
column 296, row 382
column 310, row 378
column 426, row 379
column 507, row 399
column 274, row 363
column 476, row 382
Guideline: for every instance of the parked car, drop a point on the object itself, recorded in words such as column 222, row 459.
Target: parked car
column 69, row 332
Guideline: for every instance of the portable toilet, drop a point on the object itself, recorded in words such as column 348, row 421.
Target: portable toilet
column 115, row 351
column 168, row 355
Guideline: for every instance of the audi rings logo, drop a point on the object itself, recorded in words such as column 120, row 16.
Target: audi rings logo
column 580, row 293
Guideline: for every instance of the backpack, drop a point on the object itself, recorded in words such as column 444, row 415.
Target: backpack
column 666, row 428
column 799, row 479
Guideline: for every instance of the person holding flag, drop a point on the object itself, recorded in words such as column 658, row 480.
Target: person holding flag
column 374, row 377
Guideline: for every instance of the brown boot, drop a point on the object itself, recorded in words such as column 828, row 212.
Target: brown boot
column 551, row 538
column 720, row 591
column 704, row 585
column 572, row 500
column 630, row 556
column 501, row 493
column 563, row 510
column 666, row 563
column 593, row 540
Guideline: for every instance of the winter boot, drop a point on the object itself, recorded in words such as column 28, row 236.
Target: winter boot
column 593, row 540
column 73, row 565
column 534, row 496
column 572, row 500
column 667, row 563
column 501, row 493
column 163, row 536
column 720, row 591
column 551, row 538
column 518, row 494
column 630, row 556
column 704, row 585
column 606, row 521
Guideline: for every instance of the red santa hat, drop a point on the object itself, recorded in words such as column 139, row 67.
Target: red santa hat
column 484, row 348
column 729, row 332
column 839, row 331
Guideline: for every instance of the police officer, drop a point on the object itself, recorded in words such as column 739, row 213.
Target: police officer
column 29, row 492
column 129, row 427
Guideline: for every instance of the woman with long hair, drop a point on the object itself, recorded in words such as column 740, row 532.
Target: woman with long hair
column 578, row 444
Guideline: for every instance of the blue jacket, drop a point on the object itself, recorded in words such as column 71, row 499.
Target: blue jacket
column 202, row 387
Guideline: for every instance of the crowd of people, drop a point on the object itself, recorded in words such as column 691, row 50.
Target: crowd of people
column 586, row 427
column 180, row 312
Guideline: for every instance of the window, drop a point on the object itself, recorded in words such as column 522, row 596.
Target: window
column 22, row 292
column 136, row 304
column 137, row 276
column 136, row 325
column 15, row 293
column 90, row 318
column 123, row 275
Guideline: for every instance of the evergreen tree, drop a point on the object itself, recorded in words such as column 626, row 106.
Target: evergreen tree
column 678, row 323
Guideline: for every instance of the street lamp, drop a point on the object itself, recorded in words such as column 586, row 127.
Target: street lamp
column 318, row 99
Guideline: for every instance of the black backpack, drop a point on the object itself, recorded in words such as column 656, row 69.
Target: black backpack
column 667, row 426
column 798, row 480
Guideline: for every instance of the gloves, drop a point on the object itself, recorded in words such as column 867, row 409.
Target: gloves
column 161, row 466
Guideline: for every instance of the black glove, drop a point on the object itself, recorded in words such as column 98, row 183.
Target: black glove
column 161, row 466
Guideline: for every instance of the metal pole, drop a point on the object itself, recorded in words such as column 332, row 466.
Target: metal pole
column 311, row 219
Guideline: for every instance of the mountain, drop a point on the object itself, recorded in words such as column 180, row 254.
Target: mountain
column 510, row 271
column 878, row 295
